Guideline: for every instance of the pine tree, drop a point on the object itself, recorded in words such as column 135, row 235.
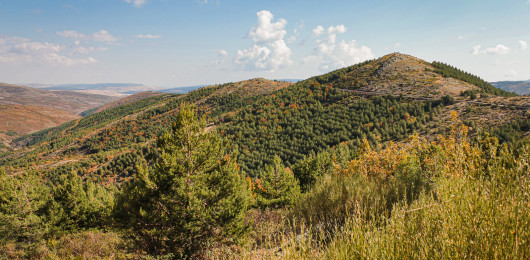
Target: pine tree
column 24, row 200
column 193, row 196
column 279, row 187
column 81, row 203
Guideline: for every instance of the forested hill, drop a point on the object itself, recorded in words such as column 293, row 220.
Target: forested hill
column 280, row 170
column 381, row 100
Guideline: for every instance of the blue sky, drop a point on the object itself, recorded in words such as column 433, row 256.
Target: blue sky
column 171, row 43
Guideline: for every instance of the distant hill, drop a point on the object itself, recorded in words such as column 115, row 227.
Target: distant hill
column 181, row 90
column 519, row 87
column 74, row 102
column 184, row 90
column 108, row 89
column 24, row 110
column 126, row 100
column 18, row 120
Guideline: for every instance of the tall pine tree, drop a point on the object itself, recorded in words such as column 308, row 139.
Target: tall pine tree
column 193, row 196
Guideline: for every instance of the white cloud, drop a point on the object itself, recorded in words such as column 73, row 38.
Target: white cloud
column 266, row 31
column 99, row 36
column 71, row 34
column 88, row 50
column 221, row 57
column 269, row 50
column 103, row 36
column 23, row 50
column 522, row 44
column 136, row 3
column 460, row 37
column 332, row 55
column 147, row 36
column 511, row 73
column 318, row 31
column 499, row 49
column 475, row 50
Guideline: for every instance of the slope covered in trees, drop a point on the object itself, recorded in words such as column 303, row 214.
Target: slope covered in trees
column 334, row 152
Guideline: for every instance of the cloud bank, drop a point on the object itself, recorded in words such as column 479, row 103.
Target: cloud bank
column 23, row 50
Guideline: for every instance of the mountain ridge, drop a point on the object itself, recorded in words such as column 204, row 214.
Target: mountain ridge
column 310, row 116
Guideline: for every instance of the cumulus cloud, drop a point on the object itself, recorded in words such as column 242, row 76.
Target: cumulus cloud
column 99, row 36
column 103, row 36
column 136, row 3
column 221, row 57
column 332, row 55
column 269, row 50
column 318, row 31
column 266, row 31
column 147, row 36
column 23, row 50
column 522, row 44
column 498, row 49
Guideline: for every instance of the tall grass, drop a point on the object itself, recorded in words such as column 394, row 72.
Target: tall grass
column 445, row 199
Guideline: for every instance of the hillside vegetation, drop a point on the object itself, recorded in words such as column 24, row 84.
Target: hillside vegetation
column 18, row 120
column 25, row 110
column 381, row 159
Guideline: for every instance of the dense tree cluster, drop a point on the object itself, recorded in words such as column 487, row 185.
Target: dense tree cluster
column 311, row 117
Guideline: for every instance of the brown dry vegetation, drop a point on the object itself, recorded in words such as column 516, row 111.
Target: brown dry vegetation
column 17, row 120
column 74, row 102
column 252, row 87
column 401, row 74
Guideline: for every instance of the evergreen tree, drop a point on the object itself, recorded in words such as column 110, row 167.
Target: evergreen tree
column 193, row 196
column 24, row 204
column 82, row 204
column 279, row 187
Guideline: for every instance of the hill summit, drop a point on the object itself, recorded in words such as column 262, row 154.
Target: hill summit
column 401, row 74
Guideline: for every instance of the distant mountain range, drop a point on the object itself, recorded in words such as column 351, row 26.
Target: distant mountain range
column 107, row 89
column 519, row 87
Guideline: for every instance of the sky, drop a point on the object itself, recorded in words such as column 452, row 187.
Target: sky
column 175, row 43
